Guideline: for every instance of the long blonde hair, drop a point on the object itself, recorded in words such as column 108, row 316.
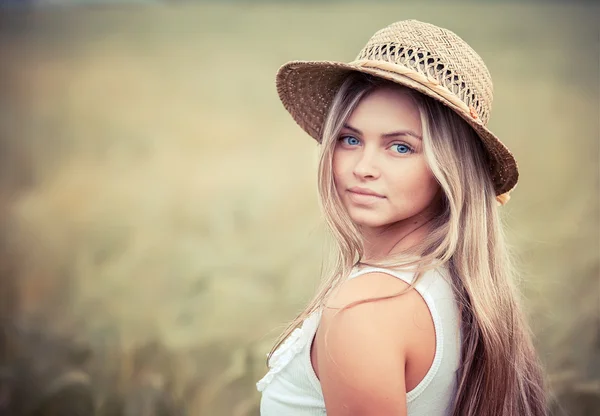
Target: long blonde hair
column 500, row 373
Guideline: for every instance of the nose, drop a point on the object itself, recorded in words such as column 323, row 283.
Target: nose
column 366, row 166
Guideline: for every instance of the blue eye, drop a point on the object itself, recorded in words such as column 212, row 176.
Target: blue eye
column 352, row 141
column 402, row 148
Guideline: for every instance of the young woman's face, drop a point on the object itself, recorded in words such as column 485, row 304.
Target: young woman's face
column 379, row 151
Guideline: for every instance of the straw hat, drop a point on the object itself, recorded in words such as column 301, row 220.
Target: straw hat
column 427, row 58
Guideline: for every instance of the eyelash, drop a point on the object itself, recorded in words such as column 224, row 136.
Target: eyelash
column 410, row 148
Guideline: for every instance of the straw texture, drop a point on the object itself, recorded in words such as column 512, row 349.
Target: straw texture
column 422, row 56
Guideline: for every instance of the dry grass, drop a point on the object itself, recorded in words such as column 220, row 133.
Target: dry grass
column 160, row 206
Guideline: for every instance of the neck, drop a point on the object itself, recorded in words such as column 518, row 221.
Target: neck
column 395, row 238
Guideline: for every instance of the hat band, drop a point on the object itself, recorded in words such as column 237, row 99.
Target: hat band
column 431, row 83
column 425, row 80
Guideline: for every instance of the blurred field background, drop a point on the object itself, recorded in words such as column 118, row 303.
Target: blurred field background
column 158, row 207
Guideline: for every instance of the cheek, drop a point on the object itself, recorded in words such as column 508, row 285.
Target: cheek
column 416, row 183
column 429, row 189
column 337, row 168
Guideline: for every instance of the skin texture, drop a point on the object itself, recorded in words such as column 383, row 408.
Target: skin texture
column 377, row 351
column 394, row 167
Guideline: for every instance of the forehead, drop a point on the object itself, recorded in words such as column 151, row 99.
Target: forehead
column 384, row 110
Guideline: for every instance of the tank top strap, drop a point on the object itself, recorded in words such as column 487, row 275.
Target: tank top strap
column 405, row 275
column 436, row 297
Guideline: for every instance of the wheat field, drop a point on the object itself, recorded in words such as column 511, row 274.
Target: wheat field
column 159, row 213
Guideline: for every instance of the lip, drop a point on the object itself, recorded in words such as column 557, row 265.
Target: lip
column 364, row 191
column 364, row 197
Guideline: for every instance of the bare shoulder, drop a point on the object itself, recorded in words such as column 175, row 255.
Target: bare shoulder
column 364, row 349
column 396, row 313
column 366, row 286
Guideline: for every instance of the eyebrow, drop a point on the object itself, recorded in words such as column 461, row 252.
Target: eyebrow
column 387, row 135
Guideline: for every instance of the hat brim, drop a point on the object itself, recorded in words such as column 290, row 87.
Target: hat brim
column 307, row 89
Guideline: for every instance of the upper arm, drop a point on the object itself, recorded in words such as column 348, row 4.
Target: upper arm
column 362, row 363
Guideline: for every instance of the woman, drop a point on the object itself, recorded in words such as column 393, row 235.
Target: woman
column 420, row 315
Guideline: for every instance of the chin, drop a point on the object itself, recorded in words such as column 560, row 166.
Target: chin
column 368, row 219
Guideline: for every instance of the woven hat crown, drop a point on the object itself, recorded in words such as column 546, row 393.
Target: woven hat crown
column 439, row 55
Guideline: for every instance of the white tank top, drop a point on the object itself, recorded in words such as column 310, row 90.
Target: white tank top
column 292, row 388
